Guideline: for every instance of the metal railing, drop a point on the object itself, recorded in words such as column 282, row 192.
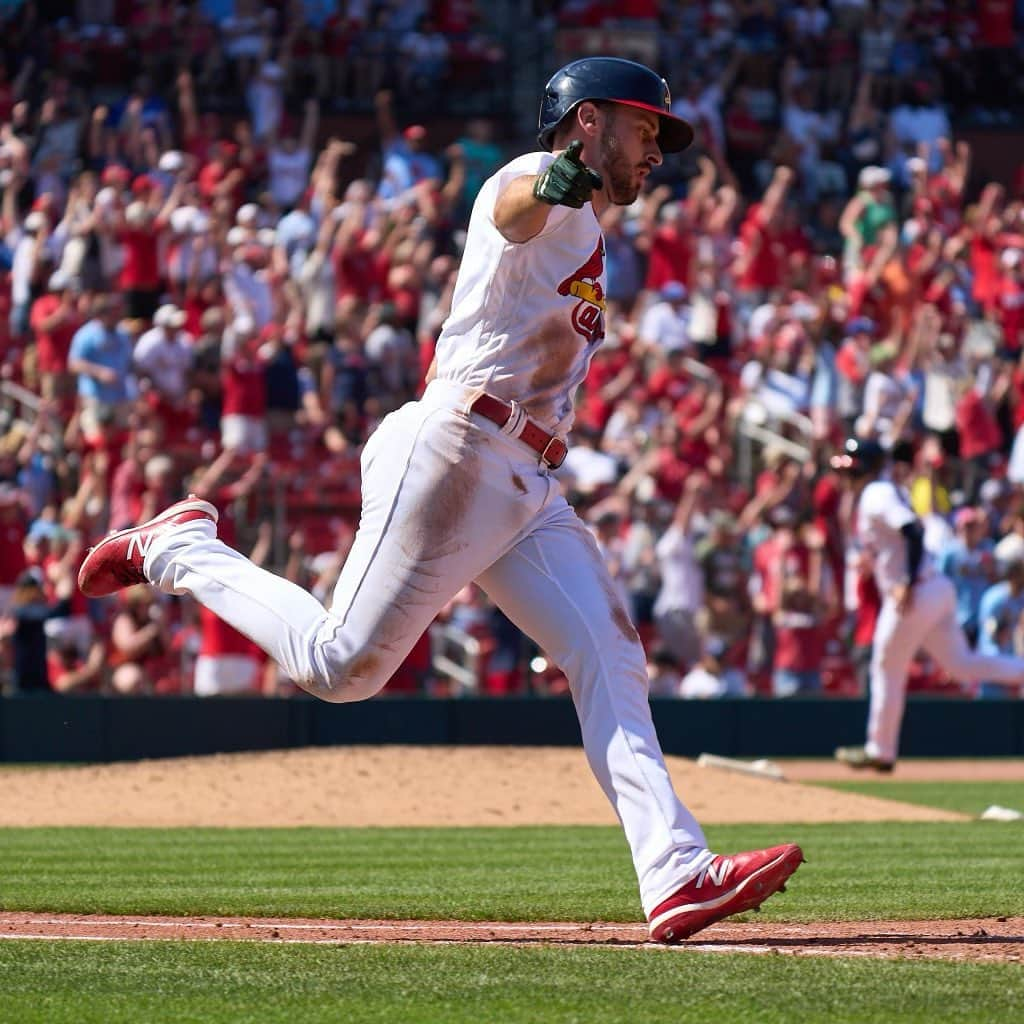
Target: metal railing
column 454, row 653
column 759, row 425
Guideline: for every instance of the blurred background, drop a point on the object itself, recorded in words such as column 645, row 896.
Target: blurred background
column 230, row 232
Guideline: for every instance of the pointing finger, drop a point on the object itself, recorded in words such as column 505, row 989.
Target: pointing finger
column 573, row 150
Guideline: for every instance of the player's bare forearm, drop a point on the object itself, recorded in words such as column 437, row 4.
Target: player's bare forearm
column 518, row 214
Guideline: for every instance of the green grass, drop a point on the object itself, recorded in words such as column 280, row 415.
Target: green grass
column 178, row 983
column 854, row 871
column 966, row 797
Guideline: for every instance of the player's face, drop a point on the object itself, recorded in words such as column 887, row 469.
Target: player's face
column 629, row 149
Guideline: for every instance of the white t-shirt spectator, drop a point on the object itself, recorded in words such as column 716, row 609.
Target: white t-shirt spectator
column 266, row 105
column 667, row 326
column 249, row 294
column 318, row 282
column 289, row 174
column 588, row 468
column 682, row 582
column 165, row 357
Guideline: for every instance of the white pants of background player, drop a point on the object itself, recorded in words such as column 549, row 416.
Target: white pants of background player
column 447, row 499
column 929, row 625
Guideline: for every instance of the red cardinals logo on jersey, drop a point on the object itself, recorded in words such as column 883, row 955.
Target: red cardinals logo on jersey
column 585, row 284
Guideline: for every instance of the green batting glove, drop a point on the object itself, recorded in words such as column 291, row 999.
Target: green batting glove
column 568, row 181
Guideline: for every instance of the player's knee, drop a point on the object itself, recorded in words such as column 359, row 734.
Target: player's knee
column 359, row 678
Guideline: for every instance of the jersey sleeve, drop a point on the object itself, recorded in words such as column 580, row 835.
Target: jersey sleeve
column 883, row 503
column 529, row 164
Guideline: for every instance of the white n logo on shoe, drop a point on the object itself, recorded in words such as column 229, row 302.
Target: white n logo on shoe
column 140, row 541
column 715, row 872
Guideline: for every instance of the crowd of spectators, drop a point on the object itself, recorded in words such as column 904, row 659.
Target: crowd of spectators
column 204, row 290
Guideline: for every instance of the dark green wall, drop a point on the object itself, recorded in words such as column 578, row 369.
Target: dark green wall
column 45, row 728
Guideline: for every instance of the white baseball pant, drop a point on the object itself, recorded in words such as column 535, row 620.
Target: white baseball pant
column 930, row 625
column 449, row 498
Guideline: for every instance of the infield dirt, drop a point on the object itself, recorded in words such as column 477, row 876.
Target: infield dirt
column 421, row 786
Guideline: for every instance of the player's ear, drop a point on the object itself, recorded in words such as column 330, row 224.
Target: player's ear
column 589, row 117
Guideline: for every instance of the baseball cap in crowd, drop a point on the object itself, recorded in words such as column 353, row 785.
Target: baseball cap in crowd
column 237, row 236
column 267, row 237
column 873, row 177
column 143, row 183
column 993, row 490
column 30, row 578
column 136, row 213
column 715, row 647
column 968, row 515
column 9, row 494
column 169, row 315
column 789, row 336
column 171, row 162
column 244, row 325
column 35, row 221
column 673, row 291
column 247, row 215
column 106, row 197
column 183, row 219
column 861, row 325
column 414, row 133
column 115, row 174
column 1010, row 257
column 882, row 352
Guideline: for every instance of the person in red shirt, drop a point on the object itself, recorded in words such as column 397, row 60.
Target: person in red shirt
column 669, row 379
column 222, row 176
column 1009, row 301
column 762, row 259
column 984, row 246
column 140, row 643
column 803, row 608
column 867, row 604
column 139, row 231
column 671, row 250
column 981, row 438
column 12, row 542
column 243, row 420
column 229, row 663
column 72, row 671
column 54, row 318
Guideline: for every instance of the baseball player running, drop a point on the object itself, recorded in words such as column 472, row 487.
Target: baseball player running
column 457, row 487
column 918, row 604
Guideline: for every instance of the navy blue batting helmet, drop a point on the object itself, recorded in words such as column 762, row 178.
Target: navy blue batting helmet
column 859, row 457
column 616, row 80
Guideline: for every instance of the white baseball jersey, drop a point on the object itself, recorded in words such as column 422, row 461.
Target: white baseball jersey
column 883, row 510
column 521, row 327
column 929, row 623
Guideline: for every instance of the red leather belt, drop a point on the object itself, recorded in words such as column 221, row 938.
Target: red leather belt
column 551, row 449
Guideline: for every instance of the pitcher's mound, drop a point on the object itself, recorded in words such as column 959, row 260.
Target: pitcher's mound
column 402, row 786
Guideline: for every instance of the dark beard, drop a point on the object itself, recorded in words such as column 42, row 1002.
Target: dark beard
column 617, row 172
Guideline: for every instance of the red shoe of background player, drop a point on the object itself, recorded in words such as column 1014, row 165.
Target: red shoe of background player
column 116, row 562
column 727, row 886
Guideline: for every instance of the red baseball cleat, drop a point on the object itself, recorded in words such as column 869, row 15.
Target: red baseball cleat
column 116, row 562
column 727, row 886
